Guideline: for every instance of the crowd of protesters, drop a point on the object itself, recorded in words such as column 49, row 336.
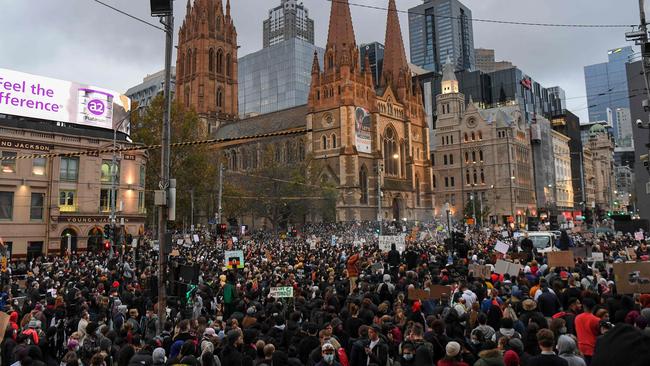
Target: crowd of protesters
column 350, row 304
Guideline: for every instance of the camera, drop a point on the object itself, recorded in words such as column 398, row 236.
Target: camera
column 639, row 123
column 646, row 105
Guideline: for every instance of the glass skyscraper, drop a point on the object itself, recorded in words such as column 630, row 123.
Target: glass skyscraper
column 375, row 53
column 277, row 77
column 606, row 85
column 439, row 29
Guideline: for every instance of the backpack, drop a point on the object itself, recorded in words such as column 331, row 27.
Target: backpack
column 384, row 293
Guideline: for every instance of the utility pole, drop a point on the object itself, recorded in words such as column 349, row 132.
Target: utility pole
column 165, row 196
column 219, row 209
column 379, row 172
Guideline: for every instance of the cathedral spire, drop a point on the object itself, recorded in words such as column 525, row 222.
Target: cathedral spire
column 341, row 31
column 315, row 66
column 394, row 54
column 227, row 8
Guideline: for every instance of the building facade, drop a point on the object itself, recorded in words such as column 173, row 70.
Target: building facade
column 558, row 97
column 206, row 63
column 371, row 143
column 276, row 77
column 641, row 196
column 568, row 124
column 606, row 85
column 482, row 153
column 439, row 29
column 601, row 146
column 375, row 53
column 541, row 139
column 485, row 61
column 563, row 186
column 287, row 21
column 624, row 193
column 57, row 204
column 151, row 86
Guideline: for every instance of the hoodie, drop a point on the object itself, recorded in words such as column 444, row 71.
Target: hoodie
column 566, row 348
column 490, row 357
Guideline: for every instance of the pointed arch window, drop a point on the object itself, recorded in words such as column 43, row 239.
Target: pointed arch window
column 219, row 61
column 188, row 62
column 391, row 152
column 467, row 180
column 211, row 60
column 403, row 159
column 218, row 23
column 181, row 65
column 480, row 155
column 333, row 141
column 219, row 98
column 301, row 150
column 194, row 61
column 363, row 185
column 228, row 65
column 417, row 190
column 324, row 142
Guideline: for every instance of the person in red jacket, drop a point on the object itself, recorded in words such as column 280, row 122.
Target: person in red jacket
column 353, row 270
column 587, row 329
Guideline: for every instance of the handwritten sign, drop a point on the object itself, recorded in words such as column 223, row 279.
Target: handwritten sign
column 386, row 241
column 639, row 236
column 480, row 271
column 632, row 278
column 506, row 267
column 234, row 259
column 501, row 247
column 281, row 292
column 561, row 259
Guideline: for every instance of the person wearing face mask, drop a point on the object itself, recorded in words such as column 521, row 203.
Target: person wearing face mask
column 329, row 358
column 408, row 354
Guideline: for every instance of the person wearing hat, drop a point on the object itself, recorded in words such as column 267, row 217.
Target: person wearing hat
column 158, row 357
column 328, row 353
column 452, row 355
column 529, row 314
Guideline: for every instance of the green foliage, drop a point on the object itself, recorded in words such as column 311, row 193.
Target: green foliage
column 481, row 216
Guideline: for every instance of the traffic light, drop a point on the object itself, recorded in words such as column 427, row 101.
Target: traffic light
column 107, row 245
column 107, row 231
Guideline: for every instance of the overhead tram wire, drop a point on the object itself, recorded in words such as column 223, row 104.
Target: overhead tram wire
column 494, row 21
column 130, row 15
column 158, row 146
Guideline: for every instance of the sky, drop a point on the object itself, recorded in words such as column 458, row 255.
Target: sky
column 83, row 41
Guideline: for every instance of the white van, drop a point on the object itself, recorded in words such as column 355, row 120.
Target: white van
column 543, row 241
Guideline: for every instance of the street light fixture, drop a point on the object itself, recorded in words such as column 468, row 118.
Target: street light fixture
column 448, row 219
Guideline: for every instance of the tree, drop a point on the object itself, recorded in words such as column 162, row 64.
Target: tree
column 191, row 166
column 482, row 213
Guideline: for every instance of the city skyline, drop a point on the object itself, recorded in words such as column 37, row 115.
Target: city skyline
column 62, row 49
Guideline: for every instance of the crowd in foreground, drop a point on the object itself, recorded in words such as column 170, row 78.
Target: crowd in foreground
column 350, row 305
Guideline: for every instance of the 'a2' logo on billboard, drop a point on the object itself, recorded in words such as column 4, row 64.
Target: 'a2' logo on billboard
column 96, row 107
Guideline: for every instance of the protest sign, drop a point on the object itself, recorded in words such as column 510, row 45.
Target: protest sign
column 561, row 259
column 504, row 234
column 195, row 237
column 180, row 242
column 631, row 253
column 334, row 240
column 501, row 247
column 480, row 271
column 385, row 242
column 418, row 294
column 281, row 292
column 639, row 236
column 632, row 278
column 436, row 291
column 234, row 259
column 175, row 253
column 506, row 267
column 581, row 252
column 596, row 257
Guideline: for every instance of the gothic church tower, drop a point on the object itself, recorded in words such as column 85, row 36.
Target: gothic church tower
column 206, row 64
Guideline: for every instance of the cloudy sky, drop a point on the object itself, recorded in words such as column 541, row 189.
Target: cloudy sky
column 84, row 41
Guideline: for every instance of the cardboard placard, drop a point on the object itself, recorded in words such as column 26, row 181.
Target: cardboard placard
column 234, row 259
column 4, row 321
column 175, row 253
column 195, row 238
column 561, row 259
column 501, row 247
column 418, row 294
column 434, row 292
column 581, row 252
column 632, row 278
column 385, row 242
column 504, row 234
column 521, row 256
column 596, row 257
column 281, row 292
column 631, row 253
column 480, row 271
column 639, row 236
column 506, row 267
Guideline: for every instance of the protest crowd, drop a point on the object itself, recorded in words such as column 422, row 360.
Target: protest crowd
column 331, row 295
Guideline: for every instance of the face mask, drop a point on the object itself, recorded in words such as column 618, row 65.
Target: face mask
column 408, row 356
column 328, row 358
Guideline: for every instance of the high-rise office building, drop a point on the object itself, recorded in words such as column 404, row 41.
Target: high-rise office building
column 375, row 53
column 439, row 29
column 151, row 86
column 606, row 85
column 288, row 20
column 485, row 61
column 276, row 77
column 559, row 97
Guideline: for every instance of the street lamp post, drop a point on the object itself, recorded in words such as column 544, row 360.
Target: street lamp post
column 379, row 173
column 593, row 216
column 448, row 219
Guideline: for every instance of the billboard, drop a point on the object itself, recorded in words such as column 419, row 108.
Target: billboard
column 362, row 130
column 56, row 100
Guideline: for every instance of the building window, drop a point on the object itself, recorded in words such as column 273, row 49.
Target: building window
column 211, row 60
column 188, row 63
column 435, row 183
column 219, row 61
column 67, row 201
column 143, row 174
column 219, row 98
column 141, row 206
column 363, row 185
column 6, row 205
column 444, row 160
column 8, row 162
column 480, row 135
column 451, row 182
column 228, row 65
column 107, row 172
column 417, row 191
column 36, row 206
column 467, row 177
column 106, row 201
column 391, row 153
column 333, row 141
column 194, row 61
column 451, row 159
column 482, row 177
column 473, row 136
column 474, row 156
column 465, row 137
column 480, row 155
column 446, row 181
column 69, row 169
column 38, row 166
column 301, row 150
column 324, row 142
